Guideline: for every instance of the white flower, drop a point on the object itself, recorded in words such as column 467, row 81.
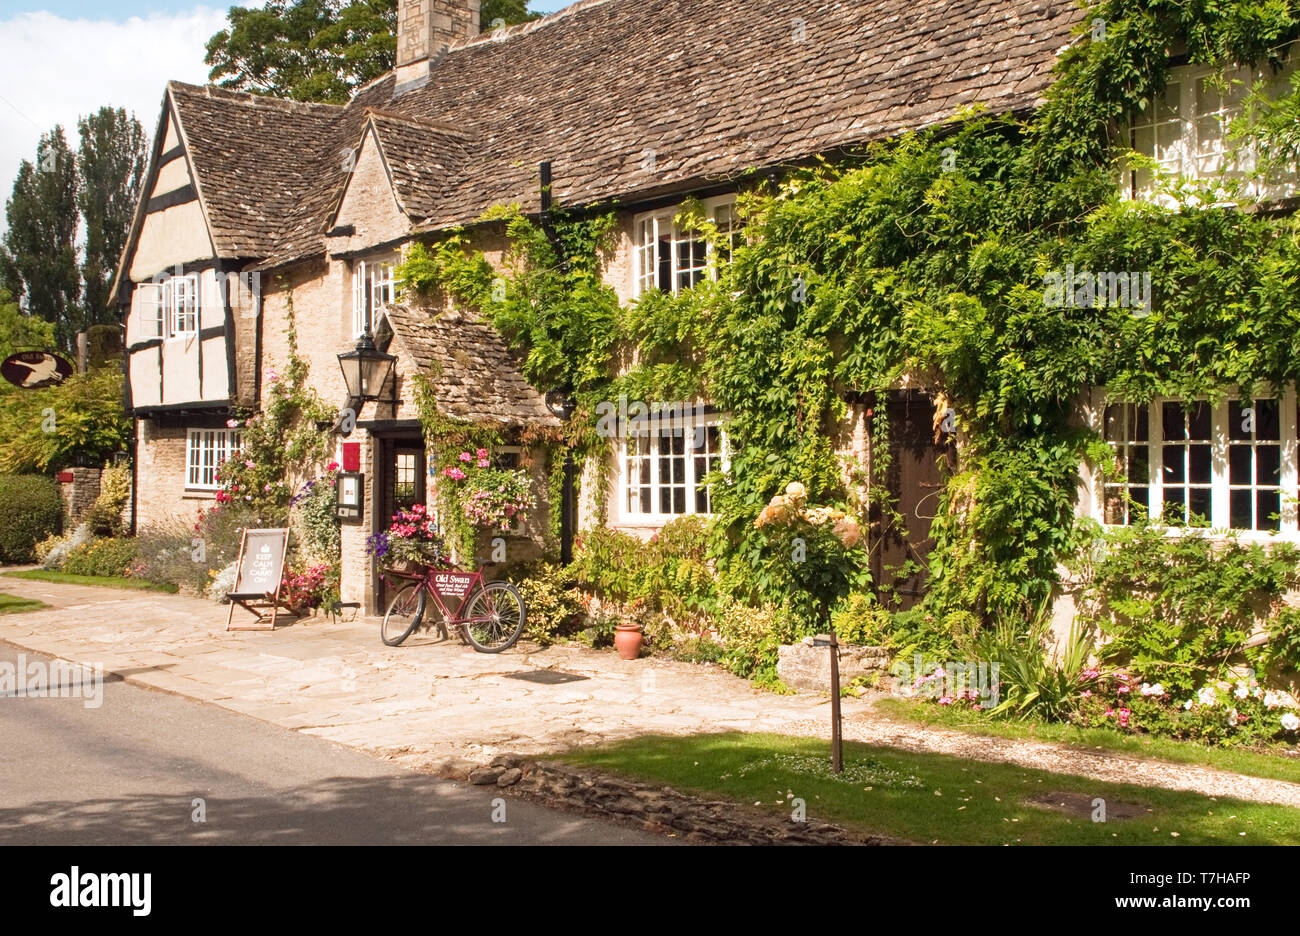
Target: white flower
column 1156, row 690
column 1206, row 695
column 1291, row 721
column 1189, row 703
column 1242, row 690
column 1273, row 700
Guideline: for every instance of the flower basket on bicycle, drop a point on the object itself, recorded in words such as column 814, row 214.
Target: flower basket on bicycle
column 490, row 616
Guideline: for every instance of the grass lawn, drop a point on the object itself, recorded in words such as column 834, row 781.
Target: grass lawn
column 112, row 581
column 1275, row 766
column 12, row 604
column 933, row 798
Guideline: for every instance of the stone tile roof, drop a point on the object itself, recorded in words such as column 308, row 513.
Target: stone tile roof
column 472, row 372
column 627, row 99
column 427, row 161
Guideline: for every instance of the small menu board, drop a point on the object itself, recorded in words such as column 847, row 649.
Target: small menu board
column 453, row 584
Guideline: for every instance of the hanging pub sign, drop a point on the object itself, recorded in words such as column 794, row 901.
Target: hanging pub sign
column 31, row 370
column 350, row 495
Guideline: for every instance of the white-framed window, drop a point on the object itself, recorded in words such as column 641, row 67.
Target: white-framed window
column 1230, row 464
column 373, row 287
column 147, row 305
column 1186, row 129
column 205, row 450
column 180, row 305
column 663, row 467
column 671, row 259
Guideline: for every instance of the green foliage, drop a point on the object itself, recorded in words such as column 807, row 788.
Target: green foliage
column 308, row 50
column 38, row 258
column 107, row 556
column 79, row 420
column 111, row 160
column 554, row 609
column 315, row 519
column 1178, row 608
column 104, row 518
column 20, row 331
column 751, row 635
column 1032, row 682
column 32, row 510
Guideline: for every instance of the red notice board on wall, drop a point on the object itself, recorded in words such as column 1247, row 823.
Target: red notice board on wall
column 351, row 456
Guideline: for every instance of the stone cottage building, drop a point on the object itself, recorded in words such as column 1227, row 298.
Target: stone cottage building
column 254, row 206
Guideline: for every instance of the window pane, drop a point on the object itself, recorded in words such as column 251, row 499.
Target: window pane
column 1239, row 515
column 1239, row 464
column 1199, row 505
column 1268, row 464
column 1268, row 505
column 1174, row 468
column 1173, row 421
column 1138, row 464
column 1199, row 458
column 1198, row 421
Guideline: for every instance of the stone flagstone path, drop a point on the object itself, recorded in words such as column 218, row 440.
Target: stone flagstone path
column 442, row 707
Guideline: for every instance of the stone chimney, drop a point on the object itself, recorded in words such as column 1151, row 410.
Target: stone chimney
column 424, row 27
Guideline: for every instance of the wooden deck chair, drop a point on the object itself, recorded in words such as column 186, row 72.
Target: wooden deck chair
column 258, row 575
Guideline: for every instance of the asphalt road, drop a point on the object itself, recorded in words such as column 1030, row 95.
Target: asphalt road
column 132, row 770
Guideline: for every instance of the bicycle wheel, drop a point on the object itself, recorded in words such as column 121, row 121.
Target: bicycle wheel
column 494, row 617
column 403, row 615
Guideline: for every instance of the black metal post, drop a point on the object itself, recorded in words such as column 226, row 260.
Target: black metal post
column 837, row 740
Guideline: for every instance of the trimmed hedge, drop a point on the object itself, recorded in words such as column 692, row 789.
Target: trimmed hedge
column 30, row 510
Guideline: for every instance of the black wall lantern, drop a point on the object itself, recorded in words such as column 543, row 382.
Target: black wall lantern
column 366, row 369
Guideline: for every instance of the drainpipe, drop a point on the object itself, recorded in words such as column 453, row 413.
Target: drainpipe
column 567, row 491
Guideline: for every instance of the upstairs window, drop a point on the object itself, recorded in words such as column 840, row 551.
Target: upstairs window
column 671, row 259
column 205, row 450
column 1186, row 130
column 147, row 306
column 168, row 309
column 373, row 287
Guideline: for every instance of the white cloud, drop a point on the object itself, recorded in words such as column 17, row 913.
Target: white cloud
column 54, row 70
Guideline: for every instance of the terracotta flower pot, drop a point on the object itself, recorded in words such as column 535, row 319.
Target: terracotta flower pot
column 627, row 640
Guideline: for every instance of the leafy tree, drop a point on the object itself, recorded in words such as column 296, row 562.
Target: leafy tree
column 511, row 12
column 20, row 331
column 308, row 50
column 40, row 256
column 318, row 50
column 54, row 427
column 111, row 160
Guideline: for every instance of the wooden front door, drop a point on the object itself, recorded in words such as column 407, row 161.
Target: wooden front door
column 400, row 485
column 917, row 468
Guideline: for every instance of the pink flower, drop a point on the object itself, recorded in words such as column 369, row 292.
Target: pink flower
column 1122, row 690
column 482, row 453
column 249, row 464
column 232, row 423
column 482, row 462
column 1086, row 693
column 332, row 466
column 466, row 457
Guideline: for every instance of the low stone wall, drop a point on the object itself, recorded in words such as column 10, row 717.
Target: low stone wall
column 656, row 808
column 807, row 664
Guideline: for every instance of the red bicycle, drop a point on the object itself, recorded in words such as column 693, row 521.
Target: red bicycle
column 490, row 616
